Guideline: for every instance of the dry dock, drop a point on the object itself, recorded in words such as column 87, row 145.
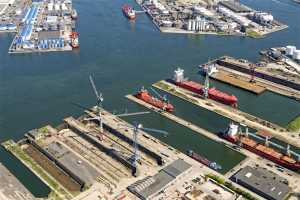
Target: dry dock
column 99, row 163
column 236, row 115
column 11, row 187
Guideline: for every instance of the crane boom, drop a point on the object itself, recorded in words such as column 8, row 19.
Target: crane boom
column 156, row 92
column 131, row 114
column 99, row 97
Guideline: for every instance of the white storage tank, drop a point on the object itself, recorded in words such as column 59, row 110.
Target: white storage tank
column 290, row 50
column 189, row 26
column 193, row 25
column 296, row 55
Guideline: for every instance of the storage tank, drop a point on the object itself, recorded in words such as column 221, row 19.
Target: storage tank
column 197, row 25
column 189, row 26
column 296, row 55
column 290, row 50
column 193, row 25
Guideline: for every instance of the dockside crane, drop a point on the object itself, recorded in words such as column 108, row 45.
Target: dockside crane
column 163, row 98
column 99, row 100
column 137, row 127
column 206, row 86
column 252, row 71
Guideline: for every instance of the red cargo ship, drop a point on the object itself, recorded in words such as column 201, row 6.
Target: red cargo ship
column 213, row 93
column 145, row 96
column 232, row 134
column 128, row 12
column 204, row 160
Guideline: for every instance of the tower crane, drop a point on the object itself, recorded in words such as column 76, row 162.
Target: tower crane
column 206, row 86
column 99, row 99
column 164, row 98
column 252, row 71
column 137, row 127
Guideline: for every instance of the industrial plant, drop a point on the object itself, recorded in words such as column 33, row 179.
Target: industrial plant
column 210, row 17
column 42, row 26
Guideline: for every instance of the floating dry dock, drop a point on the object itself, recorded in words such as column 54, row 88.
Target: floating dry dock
column 238, row 81
column 254, row 122
column 78, row 160
column 266, row 75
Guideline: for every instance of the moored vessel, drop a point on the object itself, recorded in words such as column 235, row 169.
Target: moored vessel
column 197, row 88
column 145, row 96
column 234, row 135
column 203, row 160
column 74, row 14
column 128, row 11
column 74, row 40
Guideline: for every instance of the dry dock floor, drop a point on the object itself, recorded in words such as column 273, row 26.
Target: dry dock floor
column 236, row 115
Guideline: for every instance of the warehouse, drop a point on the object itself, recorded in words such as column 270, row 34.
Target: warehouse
column 263, row 182
column 4, row 4
column 149, row 187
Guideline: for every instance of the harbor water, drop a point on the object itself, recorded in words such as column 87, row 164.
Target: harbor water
column 40, row 89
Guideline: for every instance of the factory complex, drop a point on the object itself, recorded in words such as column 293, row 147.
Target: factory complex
column 210, row 17
column 42, row 26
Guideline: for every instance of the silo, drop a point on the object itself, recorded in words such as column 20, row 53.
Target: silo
column 193, row 25
column 197, row 25
column 290, row 50
column 296, row 55
column 189, row 27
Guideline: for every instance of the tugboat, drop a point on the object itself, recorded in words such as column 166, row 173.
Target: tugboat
column 162, row 103
column 128, row 12
column 74, row 39
column 203, row 160
column 74, row 14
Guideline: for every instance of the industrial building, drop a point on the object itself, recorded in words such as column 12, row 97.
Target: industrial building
column 263, row 182
column 4, row 4
column 149, row 187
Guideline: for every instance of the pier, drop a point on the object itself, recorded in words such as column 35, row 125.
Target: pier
column 234, row 114
column 251, row 158
column 101, row 160
column 274, row 80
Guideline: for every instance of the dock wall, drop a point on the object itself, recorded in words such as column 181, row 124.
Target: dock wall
column 108, row 151
column 154, row 155
column 58, row 163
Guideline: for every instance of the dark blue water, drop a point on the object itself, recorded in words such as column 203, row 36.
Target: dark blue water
column 38, row 89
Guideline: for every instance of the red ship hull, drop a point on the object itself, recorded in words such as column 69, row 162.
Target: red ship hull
column 146, row 97
column 127, row 10
column 213, row 93
column 294, row 165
